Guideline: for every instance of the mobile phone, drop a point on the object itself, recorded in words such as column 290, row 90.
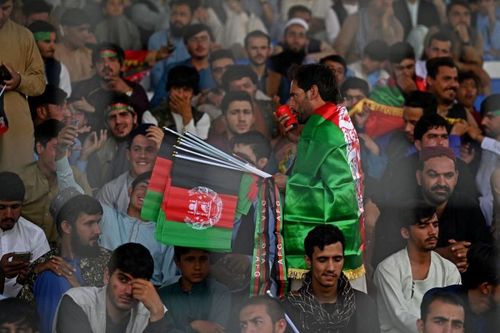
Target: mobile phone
column 22, row 256
column 4, row 74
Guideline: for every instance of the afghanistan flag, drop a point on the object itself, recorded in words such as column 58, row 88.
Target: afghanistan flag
column 4, row 123
column 160, row 179
column 383, row 118
column 200, row 207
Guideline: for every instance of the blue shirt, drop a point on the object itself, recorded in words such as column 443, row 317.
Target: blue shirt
column 491, row 41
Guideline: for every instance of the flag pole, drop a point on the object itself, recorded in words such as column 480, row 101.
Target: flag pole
column 287, row 318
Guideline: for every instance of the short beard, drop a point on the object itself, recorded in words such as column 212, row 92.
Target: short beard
column 177, row 32
column 82, row 250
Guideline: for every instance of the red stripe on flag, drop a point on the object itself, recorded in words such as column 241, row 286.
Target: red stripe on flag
column 160, row 175
column 177, row 207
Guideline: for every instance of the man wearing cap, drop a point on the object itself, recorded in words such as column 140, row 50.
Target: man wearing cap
column 490, row 151
column 107, row 59
column 71, row 51
column 56, row 72
column 295, row 42
column 17, row 235
column 403, row 278
column 49, row 105
column 24, row 66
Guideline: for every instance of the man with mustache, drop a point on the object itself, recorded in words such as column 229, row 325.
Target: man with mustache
column 78, row 260
column 461, row 221
column 17, row 235
column 403, row 278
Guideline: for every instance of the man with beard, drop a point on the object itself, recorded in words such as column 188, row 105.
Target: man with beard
column 327, row 302
column 490, row 151
column 326, row 182
column 294, row 47
column 403, row 278
column 82, row 261
column 442, row 82
column 17, row 235
column 262, row 314
column 107, row 60
column 128, row 302
column 181, row 16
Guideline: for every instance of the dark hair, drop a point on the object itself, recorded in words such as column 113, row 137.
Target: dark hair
column 490, row 103
column 414, row 212
column 355, row 83
column 434, row 64
column 377, row 50
column 316, row 74
column 297, row 9
column 237, row 72
column 454, row 3
column 142, row 178
column 257, row 34
column 401, row 51
column 47, row 131
column 74, row 207
column 18, row 311
column 484, row 263
column 440, row 294
column 36, row 6
column 183, row 76
column 179, row 251
column 192, row 4
column 141, row 129
column 469, row 75
column 259, row 144
column 12, row 188
column 133, row 259
column 41, row 26
column 423, row 100
column 220, row 54
column 321, row 236
column 96, row 52
column 274, row 308
column 441, row 36
column 427, row 122
column 334, row 58
column 234, row 96
column 195, row 29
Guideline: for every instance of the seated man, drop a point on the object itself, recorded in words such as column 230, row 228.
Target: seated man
column 42, row 178
column 177, row 112
column 441, row 311
column 143, row 145
column 262, row 314
column 480, row 289
column 402, row 278
column 17, row 235
column 17, row 316
column 128, row 303
column 78, row 261
column 49, row 105
column 326, row 301
column 239, row 117
column 119, row 227
column 196, row 302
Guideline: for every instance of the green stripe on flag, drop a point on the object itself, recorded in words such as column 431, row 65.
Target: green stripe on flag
column 151, row 206
column 182, row 234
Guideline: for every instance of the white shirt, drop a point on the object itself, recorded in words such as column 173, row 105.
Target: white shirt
column 399, row 295
column 413, row 9
column 23, row 237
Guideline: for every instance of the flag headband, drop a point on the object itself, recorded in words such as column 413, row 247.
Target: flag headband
column 108, row 53
column 496, row 113
column 42, row 36
column 121, row 107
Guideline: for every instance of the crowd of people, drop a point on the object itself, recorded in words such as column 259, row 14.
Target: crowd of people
column 376, row 119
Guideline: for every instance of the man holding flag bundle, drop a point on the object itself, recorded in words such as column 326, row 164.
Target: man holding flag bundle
column 325, row 186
